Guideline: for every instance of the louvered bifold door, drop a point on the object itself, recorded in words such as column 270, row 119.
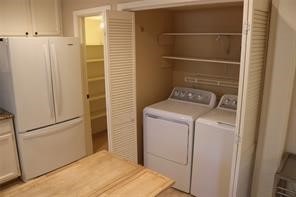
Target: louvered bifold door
column 120, row 74
column 254, row 44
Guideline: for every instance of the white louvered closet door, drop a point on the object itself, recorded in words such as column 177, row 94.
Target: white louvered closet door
column 254, row 46
column 120, row 72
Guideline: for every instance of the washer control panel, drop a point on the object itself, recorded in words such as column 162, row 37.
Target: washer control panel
column 228, row 102
column 194, row 96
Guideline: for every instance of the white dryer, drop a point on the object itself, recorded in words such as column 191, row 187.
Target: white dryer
column 213, row 150
column 169, row 130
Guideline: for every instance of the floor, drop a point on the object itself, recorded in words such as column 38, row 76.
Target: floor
column 171, row 192
column 100, row 141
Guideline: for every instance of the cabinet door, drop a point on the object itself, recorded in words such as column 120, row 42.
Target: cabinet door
column 46, row 17
column 120, row 73
column 8, row 162
column 14, row 18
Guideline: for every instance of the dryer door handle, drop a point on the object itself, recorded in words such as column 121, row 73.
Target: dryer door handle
column 167, row 119
column 224, row 123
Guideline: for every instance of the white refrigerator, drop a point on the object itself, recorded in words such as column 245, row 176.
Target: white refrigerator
column 40, row 82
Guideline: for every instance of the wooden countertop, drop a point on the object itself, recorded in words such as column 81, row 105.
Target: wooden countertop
column 101, row 174
column 5, row 114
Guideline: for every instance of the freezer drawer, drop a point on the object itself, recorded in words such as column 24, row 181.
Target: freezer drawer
column 46, row 149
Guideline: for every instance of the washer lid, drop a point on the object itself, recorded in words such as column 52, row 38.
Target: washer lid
column 177, row 109
column 219, row 116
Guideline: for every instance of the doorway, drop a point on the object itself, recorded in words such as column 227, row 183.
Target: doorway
column 95, row 79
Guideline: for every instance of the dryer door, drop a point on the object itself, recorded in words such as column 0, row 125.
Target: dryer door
column 167, row 139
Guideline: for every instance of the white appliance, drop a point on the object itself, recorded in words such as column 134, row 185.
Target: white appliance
column 213, row 150
column 40, row 82
column 169, row 130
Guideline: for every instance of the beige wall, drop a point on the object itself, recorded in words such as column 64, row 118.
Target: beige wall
column 94, row 33
column 154, row 83
column 291, row 138
column 208, row 19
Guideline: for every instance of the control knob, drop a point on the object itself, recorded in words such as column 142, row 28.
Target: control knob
column 182, row 94
column 190, row 95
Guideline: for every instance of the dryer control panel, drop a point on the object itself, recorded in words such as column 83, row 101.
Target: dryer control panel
column 194, row 96
column 228, row 102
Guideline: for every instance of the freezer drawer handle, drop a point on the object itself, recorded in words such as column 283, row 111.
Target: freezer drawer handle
column 227, row 124
column 54, row 130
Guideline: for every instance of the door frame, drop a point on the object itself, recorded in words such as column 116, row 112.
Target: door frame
column 78, row 15
column 156, row 4
column 78, row 25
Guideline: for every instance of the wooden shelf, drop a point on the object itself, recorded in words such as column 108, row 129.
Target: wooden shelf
column 202, row 34
column 94, row 45
column 94, row 60
column 97, row 114
column 201, row 60
column 97, row 97
column 93, row 79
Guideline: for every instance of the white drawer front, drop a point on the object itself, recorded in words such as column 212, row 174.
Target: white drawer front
column 8, row 158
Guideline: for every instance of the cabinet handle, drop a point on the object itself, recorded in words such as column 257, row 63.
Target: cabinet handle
column 27, row 33
column 36, row 33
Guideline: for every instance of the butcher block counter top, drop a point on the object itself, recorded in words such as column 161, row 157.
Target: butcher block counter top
column 101, row 174
column 5, row 114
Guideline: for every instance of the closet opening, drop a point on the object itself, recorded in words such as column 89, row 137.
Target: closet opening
column 196, row 46
column 95, row 80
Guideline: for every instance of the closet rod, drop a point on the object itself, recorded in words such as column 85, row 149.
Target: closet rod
column 202, row 34
column 211, row 82
column 201, row 60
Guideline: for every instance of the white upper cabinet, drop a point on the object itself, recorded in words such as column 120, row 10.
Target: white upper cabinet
column 30, row 17
column 46, row 17
column 14, row 18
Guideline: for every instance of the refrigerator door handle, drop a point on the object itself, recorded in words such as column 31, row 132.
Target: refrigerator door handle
column 49, row 82
column 57, row 83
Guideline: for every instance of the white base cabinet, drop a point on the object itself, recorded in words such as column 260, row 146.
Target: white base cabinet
column 9, row 165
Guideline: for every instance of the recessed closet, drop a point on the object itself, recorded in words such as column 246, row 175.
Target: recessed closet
column 154, row 47
column 197, row 46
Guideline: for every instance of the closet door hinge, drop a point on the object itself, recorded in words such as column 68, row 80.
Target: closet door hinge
column 246, row 28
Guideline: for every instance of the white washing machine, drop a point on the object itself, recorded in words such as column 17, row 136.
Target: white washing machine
column 213, row 150
column 169, row 130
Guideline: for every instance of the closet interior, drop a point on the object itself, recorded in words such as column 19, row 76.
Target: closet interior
column 94, row 53
column 197, row 46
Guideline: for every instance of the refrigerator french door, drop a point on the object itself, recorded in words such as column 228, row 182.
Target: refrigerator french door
column 44, row 92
